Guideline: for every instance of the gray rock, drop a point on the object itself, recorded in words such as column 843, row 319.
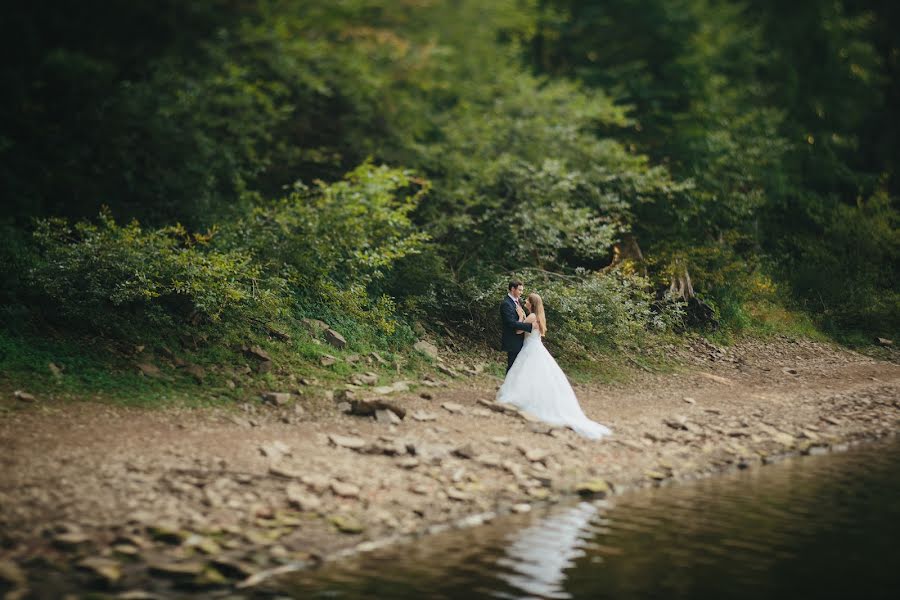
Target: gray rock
column 335, row 339
column 676, row 423
column 204, row 544
column 446, row 370
column 177, row 570
column 465, row 451
column 387, row 446
column 497, row 407
column 594, row 487
column 166, row 532
column 408, row 462
column 398, row 386
column 327, row 360
column 476, row 369
column 364, row 378
column 149, row 370
column 452, row 407
column 234, row 569
column 240, row 421
column 426, row 348
column 71, row 540
column 534, row 454
column 55, row 371
column 370, row 407
column 420, row 415
column 490, row 460
column 276, row 398
column 127, row 550
column 24, row 396
column 344, row 395
column 315, row 326
column 457, row 494
column 528, row 417
column 275, row 450
column 285, row 471
column 542, row 428
column 298, row 498
column 345, row 490
column 196, row 371
column 317, row 483
column 257, row 353
column 343, row 441
column 387, row 417
column 346, row 524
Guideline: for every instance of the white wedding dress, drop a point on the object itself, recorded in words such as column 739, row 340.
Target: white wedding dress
column 536, row 385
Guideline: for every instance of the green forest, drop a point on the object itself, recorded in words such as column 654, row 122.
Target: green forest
column 192, row 178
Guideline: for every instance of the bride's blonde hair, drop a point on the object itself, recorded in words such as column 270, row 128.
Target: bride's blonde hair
column 537, row 307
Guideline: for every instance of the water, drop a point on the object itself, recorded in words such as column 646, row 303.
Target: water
column 815, row 527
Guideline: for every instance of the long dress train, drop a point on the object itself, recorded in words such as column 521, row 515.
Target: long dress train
column 537, row 385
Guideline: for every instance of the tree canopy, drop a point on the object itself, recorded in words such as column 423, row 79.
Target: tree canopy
column 278, row 158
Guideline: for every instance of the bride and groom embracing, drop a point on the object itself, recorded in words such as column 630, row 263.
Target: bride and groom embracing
column 534, row 382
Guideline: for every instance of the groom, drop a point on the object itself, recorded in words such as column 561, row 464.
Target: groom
column 512, row 314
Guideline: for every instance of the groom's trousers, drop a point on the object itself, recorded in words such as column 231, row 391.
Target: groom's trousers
column 510, row 359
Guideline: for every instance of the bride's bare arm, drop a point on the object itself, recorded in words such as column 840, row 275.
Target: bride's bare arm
column 532, row 318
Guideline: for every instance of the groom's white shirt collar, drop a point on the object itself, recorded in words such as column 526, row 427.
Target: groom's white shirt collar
column 513, row 298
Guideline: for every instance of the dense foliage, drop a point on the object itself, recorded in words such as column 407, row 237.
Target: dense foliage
column 784, row 118
column 388, row 164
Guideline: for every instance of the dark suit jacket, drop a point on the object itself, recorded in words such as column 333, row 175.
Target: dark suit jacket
column 512, row 341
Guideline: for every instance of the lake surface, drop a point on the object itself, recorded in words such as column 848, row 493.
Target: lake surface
column 813, row 527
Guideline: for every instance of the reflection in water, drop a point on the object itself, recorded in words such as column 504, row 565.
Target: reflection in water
column 816, row 527
column 538, row 555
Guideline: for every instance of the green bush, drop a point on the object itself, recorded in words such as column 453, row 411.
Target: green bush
column 587, row 312
column 313, row 253
column 347, row 233
column 844, row 270
column 114, row 278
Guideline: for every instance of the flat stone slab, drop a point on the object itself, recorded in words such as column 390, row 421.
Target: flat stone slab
column 346, row 441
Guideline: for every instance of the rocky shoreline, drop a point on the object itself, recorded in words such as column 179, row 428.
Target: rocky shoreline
column 144, row 504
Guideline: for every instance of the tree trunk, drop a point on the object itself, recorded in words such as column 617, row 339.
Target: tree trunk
column 697, row 312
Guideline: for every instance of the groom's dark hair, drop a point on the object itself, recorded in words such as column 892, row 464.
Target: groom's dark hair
column 514, row 283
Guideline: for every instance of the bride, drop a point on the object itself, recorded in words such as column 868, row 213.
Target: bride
column 535, row 383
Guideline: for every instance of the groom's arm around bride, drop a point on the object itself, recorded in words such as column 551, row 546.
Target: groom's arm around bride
column 512, row 339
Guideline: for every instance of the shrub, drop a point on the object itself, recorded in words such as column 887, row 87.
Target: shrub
column 348, row 233
column 115, row 278
column 586, row 312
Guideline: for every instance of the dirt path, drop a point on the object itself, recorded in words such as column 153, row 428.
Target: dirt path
column 191, row 497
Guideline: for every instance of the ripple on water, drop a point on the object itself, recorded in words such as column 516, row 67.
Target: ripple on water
column 824, row 526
